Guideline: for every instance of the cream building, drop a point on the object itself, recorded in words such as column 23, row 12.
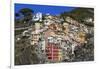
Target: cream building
column 37, row 26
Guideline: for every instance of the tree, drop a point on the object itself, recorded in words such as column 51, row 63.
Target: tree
column 79, row 14
column 63, row 15
column 17, row 20
column 27, row 13
column 17, row 15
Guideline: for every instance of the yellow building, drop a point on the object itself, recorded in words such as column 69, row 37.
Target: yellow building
column 66, row 28
column 81, row 37
column 60, row 55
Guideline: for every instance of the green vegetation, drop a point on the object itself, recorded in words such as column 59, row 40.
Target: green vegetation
column 79, row 14
column 23, row 17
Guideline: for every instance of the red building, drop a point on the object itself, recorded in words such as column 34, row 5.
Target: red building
column 53, row 52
